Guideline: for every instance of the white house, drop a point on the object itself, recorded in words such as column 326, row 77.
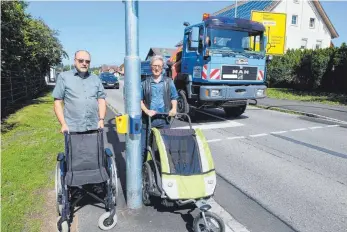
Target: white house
column 308, row 25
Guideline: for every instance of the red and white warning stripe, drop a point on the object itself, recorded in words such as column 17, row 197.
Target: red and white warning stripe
column 204, row 72
column 260, row 75
column 215, row 74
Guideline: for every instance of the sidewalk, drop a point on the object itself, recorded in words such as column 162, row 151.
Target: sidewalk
column 335, row 113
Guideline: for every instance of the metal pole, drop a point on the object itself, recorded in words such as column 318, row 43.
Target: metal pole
column 235, row 8
column 132, row 82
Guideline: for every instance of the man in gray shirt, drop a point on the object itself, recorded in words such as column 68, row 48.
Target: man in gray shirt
column 83, row 96
column 84, row 100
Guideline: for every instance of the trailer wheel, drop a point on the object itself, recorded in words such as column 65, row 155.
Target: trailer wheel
column 235, row 111
column 182, row 102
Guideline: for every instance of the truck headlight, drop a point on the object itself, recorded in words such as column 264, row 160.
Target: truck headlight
column 260, row 93
column 215, row 93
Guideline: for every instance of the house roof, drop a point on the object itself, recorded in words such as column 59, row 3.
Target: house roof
column 245, row 7
column 166, row 52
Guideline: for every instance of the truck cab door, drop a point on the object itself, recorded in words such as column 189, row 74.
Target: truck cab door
column 192, row 49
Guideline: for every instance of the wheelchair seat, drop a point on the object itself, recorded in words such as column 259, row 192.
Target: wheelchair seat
column 85, row 159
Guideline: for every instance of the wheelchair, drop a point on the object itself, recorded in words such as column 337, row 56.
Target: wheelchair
column 85, row 162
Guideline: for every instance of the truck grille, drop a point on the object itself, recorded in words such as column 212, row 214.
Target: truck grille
column 237, row 72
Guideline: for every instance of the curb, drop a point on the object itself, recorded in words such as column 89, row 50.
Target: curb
column 300, row 113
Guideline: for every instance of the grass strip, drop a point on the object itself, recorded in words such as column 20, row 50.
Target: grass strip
column 30, row 144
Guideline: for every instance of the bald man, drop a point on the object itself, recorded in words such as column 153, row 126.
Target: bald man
column 83, row 96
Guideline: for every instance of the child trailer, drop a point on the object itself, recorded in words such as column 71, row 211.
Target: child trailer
column 179, row 169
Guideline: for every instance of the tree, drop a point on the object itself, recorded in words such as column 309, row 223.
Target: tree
column 27, row 43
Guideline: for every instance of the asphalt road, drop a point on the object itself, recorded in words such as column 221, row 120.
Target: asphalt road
column 276, row 171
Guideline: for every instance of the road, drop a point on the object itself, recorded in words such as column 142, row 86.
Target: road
column 276, row 171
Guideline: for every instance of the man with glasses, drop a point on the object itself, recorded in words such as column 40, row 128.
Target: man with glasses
column 83, row 96
column 159, row 95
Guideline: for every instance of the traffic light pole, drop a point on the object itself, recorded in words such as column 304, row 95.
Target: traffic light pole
column 132, row 82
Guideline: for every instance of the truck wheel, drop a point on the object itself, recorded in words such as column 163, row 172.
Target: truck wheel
column 182, row 103
column 235, row 111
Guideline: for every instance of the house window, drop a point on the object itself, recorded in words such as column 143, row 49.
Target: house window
column 303, row 43
column 319, row 44
column 312, row 22
column 294, row 19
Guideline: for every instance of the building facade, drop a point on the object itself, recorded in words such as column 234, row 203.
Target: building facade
column 307, row 26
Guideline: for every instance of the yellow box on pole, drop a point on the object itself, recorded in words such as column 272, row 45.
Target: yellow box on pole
column 122, row 123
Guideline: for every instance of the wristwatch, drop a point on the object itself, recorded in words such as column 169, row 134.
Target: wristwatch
column 101, row 119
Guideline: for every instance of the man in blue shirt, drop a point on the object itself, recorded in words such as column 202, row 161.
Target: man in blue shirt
column 159, row 95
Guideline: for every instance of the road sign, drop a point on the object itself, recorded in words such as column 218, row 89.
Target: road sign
column 275, row 24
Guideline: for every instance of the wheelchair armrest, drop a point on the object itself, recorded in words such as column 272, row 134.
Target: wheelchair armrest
column 108, row 152
column 60, row 156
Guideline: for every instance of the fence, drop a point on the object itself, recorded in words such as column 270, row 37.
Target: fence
column 18, row 87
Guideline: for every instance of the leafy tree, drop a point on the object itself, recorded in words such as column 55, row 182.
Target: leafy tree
column 27, row 43
column 28, row 49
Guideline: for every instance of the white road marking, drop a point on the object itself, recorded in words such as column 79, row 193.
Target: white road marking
column 237, row 137
column 278, row 132
column 258, row 135
column 333, row 126
column 299, row 129
column 231, row 225
column 315, row 127
column 209, row 126
column 213, row 140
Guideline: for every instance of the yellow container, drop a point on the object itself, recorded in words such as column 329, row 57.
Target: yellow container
column 122, row 124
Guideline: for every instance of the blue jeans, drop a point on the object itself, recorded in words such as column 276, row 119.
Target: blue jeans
column 145, row 132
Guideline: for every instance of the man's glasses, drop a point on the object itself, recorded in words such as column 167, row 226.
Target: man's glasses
column 82, row 61
column 157, row 66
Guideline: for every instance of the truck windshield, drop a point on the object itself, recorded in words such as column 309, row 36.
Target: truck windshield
column 237, row 41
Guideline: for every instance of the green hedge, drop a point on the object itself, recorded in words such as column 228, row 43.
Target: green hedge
column 320, row 69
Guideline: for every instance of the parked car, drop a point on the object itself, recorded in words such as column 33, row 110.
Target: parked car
column 109, row 80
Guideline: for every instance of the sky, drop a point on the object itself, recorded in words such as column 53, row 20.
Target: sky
column 99, row 26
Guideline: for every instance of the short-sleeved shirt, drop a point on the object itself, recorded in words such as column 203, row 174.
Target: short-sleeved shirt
column 157, row 99
column 80, row 96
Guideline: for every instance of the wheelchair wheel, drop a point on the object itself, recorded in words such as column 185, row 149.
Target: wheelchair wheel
column 64, row 226
column 106, row 224
column 58, row 188
column 113, row 172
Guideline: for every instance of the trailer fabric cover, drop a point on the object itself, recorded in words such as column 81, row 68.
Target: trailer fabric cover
column 186, row 163
column 85, row 159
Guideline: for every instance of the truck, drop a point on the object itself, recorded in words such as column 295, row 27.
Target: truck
column 223, row 65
